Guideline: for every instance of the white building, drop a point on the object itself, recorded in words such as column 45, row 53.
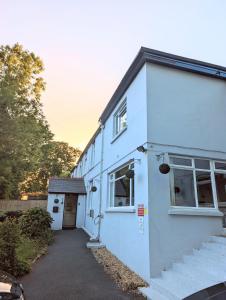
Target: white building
column 166, row 110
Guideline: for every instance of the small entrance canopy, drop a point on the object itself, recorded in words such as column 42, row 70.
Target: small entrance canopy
column 67, row 185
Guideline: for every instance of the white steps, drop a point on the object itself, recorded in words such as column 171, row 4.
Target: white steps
column 204, row 267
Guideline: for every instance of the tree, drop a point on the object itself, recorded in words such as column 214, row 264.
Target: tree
column 24, row 130
column 57, row 159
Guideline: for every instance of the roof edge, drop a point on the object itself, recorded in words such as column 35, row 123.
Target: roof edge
column 148, row 55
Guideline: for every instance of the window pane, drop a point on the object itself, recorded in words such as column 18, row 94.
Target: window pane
column 220, row 165
column 181, row 161
column 184, row 188
column 202, row 164
column 112, row 193
column 122, row 192
column 221, row 187
column 204, row 189
column 121, row 172
column 123, row 119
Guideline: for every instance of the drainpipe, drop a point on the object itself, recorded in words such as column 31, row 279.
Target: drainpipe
column 100, row 216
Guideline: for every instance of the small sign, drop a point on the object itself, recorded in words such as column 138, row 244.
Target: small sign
column 140, row 210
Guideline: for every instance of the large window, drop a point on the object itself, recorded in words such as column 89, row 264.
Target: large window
column 120, row 119
column 197, row 182
column 121, row 188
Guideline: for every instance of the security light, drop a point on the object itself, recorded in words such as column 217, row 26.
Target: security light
column 141, row 149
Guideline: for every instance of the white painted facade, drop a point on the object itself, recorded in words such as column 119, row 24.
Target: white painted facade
column 57, row 217
column 169, row 111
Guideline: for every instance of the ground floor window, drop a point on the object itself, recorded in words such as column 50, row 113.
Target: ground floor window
column 197, row 182
column 121, row 187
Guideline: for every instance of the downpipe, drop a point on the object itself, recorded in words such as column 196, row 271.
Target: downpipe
column 100, row 215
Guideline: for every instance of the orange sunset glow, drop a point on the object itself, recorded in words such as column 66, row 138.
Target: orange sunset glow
column 87, row 46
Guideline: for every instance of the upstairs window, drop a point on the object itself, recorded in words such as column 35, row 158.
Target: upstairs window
column 93, row 154
column 120, row 119
column 121, row 187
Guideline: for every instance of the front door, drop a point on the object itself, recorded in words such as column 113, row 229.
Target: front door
column 70, row 210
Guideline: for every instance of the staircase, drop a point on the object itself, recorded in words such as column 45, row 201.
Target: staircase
column 204, row 267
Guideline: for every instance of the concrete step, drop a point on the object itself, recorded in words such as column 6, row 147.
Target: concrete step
column 203, row 268
column 152, row 294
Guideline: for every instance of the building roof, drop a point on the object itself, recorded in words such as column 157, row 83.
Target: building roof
column 147, row 55
column 66, row 185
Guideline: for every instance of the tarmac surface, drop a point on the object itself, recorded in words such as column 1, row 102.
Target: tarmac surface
column 70, row 272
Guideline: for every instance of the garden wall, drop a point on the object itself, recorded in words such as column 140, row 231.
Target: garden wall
column 12, row 205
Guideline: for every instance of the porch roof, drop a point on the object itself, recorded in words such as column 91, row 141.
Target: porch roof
column 67, row 185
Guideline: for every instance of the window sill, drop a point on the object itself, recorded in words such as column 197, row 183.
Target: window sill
column 118, row 135
column 120, row 210
column 192, row 211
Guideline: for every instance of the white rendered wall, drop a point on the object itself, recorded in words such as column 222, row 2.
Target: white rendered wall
column 186, row 115
column 81, row 211
column 57, row 217
column 120, row 231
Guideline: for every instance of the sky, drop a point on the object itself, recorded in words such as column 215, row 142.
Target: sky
column 87, row 46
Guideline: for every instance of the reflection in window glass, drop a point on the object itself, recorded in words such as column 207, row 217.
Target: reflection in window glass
column 202, row 164
column 220, row 165
column 122, row 192
column 204, row 189
column 221, row 187
column 121, row 188
column 180, row 161
column 183, row 188
column 121, row 172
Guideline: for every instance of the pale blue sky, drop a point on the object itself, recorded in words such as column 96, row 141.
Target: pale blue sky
column 87, row 46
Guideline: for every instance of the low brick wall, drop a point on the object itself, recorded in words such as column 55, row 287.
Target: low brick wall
column 12, row 205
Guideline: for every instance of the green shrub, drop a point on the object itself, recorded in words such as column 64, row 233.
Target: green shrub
column 9, row 239
column 35, row 223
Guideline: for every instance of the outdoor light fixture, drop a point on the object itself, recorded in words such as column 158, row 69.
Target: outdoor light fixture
column 93, row 188
column 130, row 174
column 164, row 168
column 141, row 149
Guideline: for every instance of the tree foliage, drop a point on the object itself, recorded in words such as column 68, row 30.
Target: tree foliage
column 57, row 159
column 25, row 137
column 23, row 128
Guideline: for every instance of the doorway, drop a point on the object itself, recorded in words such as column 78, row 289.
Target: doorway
column 70, row 211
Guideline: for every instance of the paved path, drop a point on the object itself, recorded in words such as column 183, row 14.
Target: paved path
column 70, row 272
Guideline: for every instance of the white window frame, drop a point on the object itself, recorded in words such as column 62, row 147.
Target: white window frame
column 113, row 180
column 92, row 160
column 117, row 128
column 212, row 170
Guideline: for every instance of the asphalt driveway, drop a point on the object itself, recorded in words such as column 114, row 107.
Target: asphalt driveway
column 70, row 272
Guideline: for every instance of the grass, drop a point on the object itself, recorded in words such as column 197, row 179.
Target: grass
column 28, row 250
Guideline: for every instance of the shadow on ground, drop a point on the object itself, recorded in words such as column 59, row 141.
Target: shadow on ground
column 70, row 272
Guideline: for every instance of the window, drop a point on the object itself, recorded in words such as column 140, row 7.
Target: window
column 197, row 182
column 93, row 154
column 121, row 187
column 120, row 119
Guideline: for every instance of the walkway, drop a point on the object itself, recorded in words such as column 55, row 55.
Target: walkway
column 70, row 272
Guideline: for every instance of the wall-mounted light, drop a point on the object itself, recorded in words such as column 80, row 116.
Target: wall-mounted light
column 141, row 149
